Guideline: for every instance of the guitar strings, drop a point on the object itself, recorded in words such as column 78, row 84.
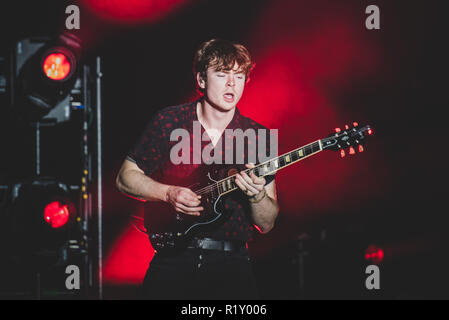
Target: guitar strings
column 215, row 185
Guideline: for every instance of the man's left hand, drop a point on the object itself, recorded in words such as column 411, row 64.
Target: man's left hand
column 251, row 185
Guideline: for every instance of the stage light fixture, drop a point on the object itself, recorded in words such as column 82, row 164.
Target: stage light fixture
column 56, row 214
column 56, row 66
column 45, row 75
column 44, row 220
column 374, row 254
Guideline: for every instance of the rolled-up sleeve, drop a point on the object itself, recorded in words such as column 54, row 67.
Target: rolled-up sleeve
column 150, row 150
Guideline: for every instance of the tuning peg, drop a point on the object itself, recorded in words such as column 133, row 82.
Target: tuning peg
column 346, row 127
column 337, row 130
column 342, row 153
column 355, row 124
column 361, row 148
column 351, row 150
column 370, row 131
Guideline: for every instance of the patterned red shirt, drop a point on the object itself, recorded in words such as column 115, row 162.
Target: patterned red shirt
column 152, row 155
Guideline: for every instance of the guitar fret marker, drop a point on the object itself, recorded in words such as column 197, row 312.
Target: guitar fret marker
column 287, row 158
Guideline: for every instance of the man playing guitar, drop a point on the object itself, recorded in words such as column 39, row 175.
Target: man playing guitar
column 214, row 263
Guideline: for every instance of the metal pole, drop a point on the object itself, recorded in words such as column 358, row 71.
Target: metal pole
column 38, row 149
column 99, row 183
column 85, row 180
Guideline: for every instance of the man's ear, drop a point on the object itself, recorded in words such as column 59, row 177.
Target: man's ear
column 201, row 82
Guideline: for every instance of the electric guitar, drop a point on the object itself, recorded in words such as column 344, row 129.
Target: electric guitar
column 175, row 229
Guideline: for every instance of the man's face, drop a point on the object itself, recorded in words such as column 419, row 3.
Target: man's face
column 223, row 89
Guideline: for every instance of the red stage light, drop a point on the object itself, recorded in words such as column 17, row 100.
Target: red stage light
column 56, row 66
column 374, row 254
column 133, row 11
column 56, row 214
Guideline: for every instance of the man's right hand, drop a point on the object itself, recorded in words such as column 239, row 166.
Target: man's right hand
column 184, row 200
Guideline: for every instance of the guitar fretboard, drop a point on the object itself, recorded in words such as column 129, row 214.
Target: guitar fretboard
column 271, row 166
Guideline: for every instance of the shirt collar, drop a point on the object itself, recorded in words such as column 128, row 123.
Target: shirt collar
column 232, row 125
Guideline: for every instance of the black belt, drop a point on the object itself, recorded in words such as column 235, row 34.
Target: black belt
column 222, row 245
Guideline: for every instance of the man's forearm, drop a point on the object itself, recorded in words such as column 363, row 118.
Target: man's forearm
column 137, row 185
column 264, row 213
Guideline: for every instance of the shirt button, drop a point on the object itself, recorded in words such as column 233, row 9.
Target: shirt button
column 200, row 257
column 199, row 265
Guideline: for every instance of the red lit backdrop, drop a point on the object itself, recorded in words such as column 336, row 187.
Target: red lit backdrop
column 304, row 54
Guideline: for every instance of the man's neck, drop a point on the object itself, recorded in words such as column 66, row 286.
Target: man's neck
column 212, row 118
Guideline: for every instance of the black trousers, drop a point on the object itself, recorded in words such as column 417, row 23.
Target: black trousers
column 200, row 274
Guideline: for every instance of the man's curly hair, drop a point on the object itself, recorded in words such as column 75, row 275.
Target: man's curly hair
column 222, row 55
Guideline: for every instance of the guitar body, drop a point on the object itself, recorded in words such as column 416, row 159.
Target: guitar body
column 169, row 229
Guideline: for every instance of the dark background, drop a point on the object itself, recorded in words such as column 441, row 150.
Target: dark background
column 395, row 78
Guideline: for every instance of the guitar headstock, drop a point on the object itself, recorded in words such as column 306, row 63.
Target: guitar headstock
column 347, row 139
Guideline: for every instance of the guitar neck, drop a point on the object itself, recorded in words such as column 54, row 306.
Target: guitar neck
column 228, row 184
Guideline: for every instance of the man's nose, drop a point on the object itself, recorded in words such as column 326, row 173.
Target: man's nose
column 231, row 81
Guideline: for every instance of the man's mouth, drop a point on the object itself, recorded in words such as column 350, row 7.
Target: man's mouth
column 228, row 97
